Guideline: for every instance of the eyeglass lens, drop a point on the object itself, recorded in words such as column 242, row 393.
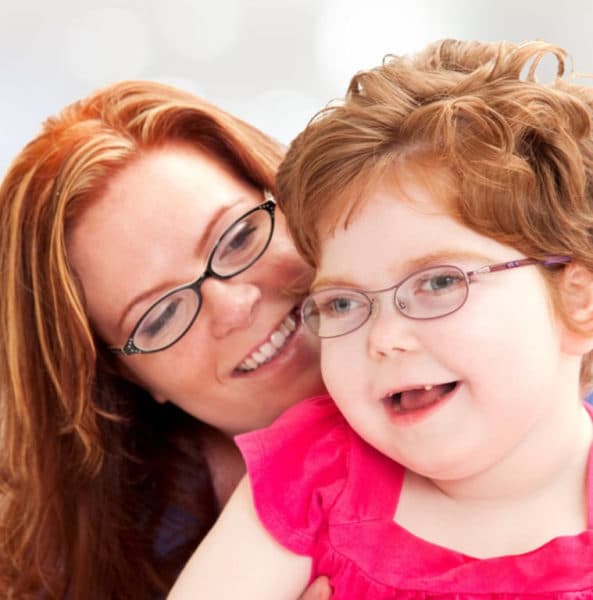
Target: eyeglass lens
column 426, row 294
column 241, row 244
column 237, row 249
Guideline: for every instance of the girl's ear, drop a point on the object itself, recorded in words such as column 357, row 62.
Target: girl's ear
column 576, row 290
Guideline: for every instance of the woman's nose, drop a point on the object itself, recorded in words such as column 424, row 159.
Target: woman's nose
column 230, row 303
column 389, row 332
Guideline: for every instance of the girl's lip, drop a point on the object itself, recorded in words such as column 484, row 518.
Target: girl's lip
column 406, row 388
column 412, row 417
column 282, row 353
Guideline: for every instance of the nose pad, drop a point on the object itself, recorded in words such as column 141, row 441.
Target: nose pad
column 389, row 332
column 230, row 304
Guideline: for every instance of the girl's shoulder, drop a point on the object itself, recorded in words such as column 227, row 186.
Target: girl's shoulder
column 312, row 426
column 297, row 468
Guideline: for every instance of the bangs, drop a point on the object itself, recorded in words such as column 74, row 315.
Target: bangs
column 400, row 172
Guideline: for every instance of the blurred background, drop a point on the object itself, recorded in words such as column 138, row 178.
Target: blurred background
column 271, row 62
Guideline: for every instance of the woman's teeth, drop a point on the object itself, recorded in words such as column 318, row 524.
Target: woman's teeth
column 271, row 347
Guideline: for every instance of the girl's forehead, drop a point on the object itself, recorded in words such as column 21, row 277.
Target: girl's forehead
column 389, row 236
column 404, row 180
column 428, row 187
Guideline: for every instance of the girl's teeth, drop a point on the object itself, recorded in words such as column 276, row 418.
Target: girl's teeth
column 270, row 348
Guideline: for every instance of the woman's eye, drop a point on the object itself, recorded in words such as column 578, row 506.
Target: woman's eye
column 238, row 240
column 154, row 325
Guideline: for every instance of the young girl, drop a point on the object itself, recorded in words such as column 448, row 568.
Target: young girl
column 447, row 207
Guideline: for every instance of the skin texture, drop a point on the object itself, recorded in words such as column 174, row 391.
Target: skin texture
column 155, row 226
column 319, row 590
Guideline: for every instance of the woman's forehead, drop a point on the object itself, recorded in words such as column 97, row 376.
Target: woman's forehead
column 152, row 225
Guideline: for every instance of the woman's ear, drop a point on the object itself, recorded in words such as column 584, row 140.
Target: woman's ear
column 576, row 294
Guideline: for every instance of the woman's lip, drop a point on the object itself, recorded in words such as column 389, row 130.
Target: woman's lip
column 412, row 417
column 294, row 312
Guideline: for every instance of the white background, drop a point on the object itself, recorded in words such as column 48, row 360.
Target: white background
column 272, row 62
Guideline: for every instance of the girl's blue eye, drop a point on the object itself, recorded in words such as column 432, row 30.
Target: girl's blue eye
column 340, row 306
column 440, row 282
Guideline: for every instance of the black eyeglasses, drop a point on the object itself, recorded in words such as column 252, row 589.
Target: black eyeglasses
column 169, row 318
column 425, row 294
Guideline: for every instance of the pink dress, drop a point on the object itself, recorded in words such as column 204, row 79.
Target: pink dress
column 323, row 492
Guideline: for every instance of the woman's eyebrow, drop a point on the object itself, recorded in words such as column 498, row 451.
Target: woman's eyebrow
column 206, row 235
column 216, row 217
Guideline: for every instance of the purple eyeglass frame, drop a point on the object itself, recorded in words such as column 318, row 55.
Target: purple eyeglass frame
column 546, row 261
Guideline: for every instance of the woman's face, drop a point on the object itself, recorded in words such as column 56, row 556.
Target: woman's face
column 152, row 231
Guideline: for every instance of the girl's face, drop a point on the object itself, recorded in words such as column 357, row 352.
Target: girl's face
column 152, row 231
column 451, row 396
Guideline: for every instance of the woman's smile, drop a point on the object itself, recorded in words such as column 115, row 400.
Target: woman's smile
column 247, row 332
column 286, row 362
column 272, row 346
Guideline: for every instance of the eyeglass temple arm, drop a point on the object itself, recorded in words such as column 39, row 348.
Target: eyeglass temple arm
column 523, row 262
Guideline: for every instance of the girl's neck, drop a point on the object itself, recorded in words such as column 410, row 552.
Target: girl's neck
column 553, row 449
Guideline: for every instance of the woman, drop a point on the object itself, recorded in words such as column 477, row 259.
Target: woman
column 148, row 314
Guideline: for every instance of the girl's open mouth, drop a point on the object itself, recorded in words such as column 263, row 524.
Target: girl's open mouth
column 418, row 399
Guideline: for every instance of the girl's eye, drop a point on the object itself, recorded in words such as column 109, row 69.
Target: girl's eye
column 440, row 282
column 339, row 306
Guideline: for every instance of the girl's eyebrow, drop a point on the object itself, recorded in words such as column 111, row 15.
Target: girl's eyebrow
column 442, row 257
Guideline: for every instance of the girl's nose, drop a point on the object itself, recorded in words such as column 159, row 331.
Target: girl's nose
column 389, row 332
column 231, row 304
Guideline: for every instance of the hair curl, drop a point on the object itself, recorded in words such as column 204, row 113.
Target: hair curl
column 519, row 153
